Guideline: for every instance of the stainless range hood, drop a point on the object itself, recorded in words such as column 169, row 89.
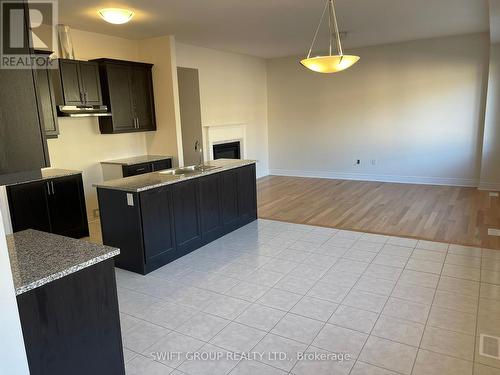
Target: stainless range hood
column 82, row 111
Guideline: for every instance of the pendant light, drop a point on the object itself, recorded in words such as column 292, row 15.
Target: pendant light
column 333, row 62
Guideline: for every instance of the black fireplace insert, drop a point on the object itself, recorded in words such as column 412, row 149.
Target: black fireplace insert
column 230, row 150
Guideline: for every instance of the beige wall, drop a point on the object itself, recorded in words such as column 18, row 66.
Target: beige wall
column 233, row 91
column 161, row 52
column 490, row 167
column 80, row 144
column 416, row 108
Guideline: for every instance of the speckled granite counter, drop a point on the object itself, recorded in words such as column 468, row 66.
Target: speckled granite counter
column 48, row 174
column 154, row 180
column 137, row 159
column 37, row 258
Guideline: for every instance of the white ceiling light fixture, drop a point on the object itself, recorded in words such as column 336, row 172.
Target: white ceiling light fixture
column 330, row 63
column 116, row 16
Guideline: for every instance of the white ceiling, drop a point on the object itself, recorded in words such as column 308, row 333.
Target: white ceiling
column 276, row 28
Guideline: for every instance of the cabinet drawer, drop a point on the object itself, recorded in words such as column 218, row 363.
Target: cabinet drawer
column 134, row 170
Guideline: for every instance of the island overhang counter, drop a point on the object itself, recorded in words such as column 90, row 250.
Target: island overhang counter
column 158, row 217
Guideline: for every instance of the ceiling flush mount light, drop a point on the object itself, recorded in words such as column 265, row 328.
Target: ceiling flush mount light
column 116, row 16
column 331, row 63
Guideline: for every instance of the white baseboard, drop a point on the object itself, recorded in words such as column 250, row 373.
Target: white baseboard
column 491, row 186
column 378, row 178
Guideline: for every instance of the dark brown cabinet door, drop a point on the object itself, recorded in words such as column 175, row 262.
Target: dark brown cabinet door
column 68, row 216
column 230, row 197
column 142, row 97
column 186, row 216
column 47, row 103
column 29, row 206
column 210, row 207
column 247, row 201
column 157, row 224
column 91, row 86
column 71, row 84
column 120, row 94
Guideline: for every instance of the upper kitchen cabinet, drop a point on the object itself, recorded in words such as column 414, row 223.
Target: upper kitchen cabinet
column 77, row 83
column 47, row 99
column 23, row 146
column 128, row 92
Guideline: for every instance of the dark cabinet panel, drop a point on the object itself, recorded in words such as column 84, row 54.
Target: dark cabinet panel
column 70, row 82
column 74, row 320
column 157, row 219
column 89, row 73
column 29, row 207
column 247, row 195
column 47, row 103
column 143, row 94
column 77, row 83
column 230, row 197
column 161, row 165
column 210, row 206
column 68, row 215
column 128, row 91
column 186, row 216
column 120, row 98
column 134, row 170
column 23, row 146
column 54, row 206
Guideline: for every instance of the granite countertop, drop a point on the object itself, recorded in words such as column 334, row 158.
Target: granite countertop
column 48, row 174
column 147, row 181
column 137, row 159
column 37, row 258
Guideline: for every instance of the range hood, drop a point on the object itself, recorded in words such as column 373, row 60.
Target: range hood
column 82, row 111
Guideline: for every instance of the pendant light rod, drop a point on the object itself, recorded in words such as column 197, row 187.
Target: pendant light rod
column 333, row 15
column 317, row 29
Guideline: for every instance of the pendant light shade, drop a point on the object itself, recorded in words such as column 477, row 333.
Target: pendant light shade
column 330, row 63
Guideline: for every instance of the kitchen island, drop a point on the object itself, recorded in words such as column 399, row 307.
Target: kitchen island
column 68, row 305
column 155, row 218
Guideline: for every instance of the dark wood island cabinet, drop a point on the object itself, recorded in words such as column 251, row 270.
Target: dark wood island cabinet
column 158, row 217
column 68, row 304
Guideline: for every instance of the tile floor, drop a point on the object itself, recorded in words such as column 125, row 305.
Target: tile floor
column 388, row 305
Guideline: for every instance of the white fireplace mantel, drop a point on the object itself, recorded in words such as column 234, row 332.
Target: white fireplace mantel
column 215, row 134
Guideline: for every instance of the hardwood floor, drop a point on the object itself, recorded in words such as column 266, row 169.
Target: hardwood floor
column 439, row 213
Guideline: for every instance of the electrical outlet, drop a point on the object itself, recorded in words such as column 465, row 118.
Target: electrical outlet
column 357, row 162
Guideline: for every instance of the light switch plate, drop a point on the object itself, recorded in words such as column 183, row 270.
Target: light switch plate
column 130, row 199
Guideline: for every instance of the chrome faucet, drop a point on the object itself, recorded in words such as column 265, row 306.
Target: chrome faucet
column 200, row 150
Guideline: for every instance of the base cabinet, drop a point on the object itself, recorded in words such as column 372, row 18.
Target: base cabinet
column 157, row 226
column 72, row 325
column 55, row 206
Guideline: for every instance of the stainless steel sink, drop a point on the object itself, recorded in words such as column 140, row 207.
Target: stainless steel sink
column 192, row 169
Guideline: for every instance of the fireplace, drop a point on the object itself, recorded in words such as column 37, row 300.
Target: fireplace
column 229, row 150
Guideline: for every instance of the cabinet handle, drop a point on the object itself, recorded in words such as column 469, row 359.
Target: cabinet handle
column 48, row 188
column 52, row 184
column 138, row 123
column 85, row 97
column 140, row 169
column 152, row 167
